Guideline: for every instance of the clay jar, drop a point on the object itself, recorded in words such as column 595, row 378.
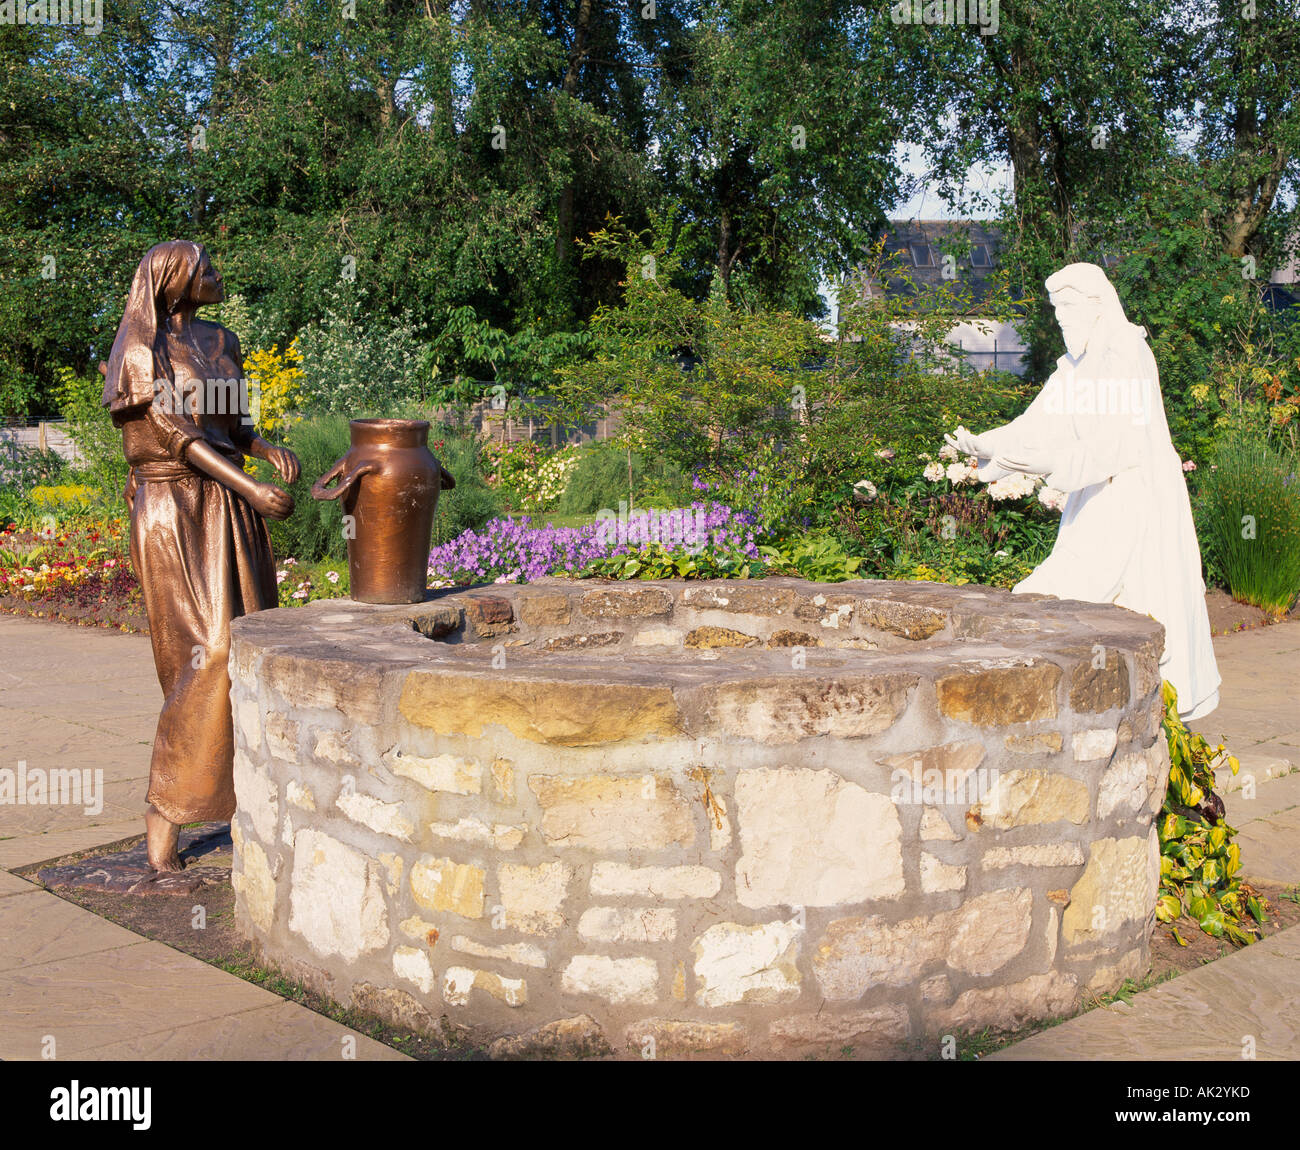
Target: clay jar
column 389, row 483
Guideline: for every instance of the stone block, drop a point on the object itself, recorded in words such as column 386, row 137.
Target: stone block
column 616, row 980
column 907, row 620
column 579, row 1037
column 1124, row 788
column 586, row 641
column 533, row 895
column 1117, row 887
column 255, row 883
column 1026, row 798
column 979, row 937
column 998, row 696
column 639, row 603
column 438, row 772
column 812, row 838
column 1094, row 743
column 1006, row 1008
column 877, row 1027
column 381, row 817
column 938, row 876
column 735, row 963
column 336, row 898
column 521, row 953
column 1042, row 743
column 414, row 966
column 459, row 982
column 544, row 610
column 706, row 638
column 558, row 712
column 673, row 1038
column 256, row 796
column 614, row 879
column 613, row 812
column 753, row 600
column 834, row 612
column 1094, row 690
column 444, row 885
column 783, row 710
column 637, row 924
column 793, row 639
column 1033, row 854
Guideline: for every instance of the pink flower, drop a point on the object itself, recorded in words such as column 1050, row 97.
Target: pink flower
column 1188, row 465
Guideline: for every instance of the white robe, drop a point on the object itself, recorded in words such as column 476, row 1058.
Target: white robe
column 1126, row 534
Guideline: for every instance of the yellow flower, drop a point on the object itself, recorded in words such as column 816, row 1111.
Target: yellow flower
column 275, row 380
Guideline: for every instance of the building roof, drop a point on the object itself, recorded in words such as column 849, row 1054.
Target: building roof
column 934, row 254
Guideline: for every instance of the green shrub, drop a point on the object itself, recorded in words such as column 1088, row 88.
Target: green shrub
column 103, row 465
column 600, row 481
column 1248, row 521
column 361, row 365
column 472, row 502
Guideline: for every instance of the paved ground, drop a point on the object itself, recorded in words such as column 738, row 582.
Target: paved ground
column 78, row 697
column 74, row 697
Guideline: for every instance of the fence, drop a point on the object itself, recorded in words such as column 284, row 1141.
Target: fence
column 1013, row 359
column 36, row 435
column 511, row 425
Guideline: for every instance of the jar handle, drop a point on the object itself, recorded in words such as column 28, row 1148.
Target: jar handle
column 319, row 490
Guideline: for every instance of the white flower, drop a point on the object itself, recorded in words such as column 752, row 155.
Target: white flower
column 866, row 487
column 959, row 473
column 933, row 472
column 924, row 457
column 301, row 593
column 948, row 452
column 281, row 576
column 885, row 453
column 1052, row 499
column 1002, row 553
column 1013, row 486
column 332, row 576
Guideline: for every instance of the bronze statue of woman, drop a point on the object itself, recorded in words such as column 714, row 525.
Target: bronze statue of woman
column 199, row 543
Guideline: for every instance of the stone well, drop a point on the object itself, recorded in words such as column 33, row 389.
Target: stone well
column 727, row 818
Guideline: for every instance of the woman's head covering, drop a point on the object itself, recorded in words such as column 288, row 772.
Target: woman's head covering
column 164, row 281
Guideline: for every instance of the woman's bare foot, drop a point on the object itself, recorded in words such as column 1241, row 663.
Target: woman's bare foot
column 161, row 840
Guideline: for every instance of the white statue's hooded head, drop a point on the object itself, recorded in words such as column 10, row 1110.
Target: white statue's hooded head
column 1086, row 306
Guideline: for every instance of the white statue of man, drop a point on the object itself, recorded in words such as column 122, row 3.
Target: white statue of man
column 1097, row 432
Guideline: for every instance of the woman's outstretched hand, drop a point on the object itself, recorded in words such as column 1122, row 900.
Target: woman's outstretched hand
column 285, row 462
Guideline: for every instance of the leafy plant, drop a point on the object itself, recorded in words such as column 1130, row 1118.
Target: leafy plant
column 90, row 428
column 819, row 558
column 1248, row 511
column 1198, row 859
column 473, row 501
column 275, row 381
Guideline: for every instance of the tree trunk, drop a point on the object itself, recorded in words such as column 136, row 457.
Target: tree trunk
column 564, row 209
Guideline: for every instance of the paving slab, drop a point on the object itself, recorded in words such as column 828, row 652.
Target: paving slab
column 133, row 989
column 279, row 1033
column 1205, row 1015
column 23, row 850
